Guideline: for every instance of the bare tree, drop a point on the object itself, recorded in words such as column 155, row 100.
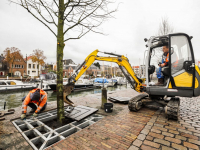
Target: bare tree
column 67, row 20
column 165, row 27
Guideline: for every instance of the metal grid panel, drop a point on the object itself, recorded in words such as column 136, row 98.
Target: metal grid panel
column 41, row 136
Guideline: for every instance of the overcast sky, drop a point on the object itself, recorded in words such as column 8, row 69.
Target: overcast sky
column 134, row 21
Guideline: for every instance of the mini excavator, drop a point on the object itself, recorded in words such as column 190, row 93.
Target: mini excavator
column 180, row 80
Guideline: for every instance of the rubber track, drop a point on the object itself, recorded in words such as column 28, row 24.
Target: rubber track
column 132, row 101
column 173, row 109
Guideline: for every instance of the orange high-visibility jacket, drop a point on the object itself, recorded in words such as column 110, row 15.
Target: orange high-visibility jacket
column 174, row 60
column 166, row 60
column 40, row 103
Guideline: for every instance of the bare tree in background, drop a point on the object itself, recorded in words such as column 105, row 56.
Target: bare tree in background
column 165, row 27
column 67, row 20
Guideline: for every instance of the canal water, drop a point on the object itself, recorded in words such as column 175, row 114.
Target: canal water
column 13, row 99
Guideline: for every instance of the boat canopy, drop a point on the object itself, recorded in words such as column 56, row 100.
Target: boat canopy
column 101, row 80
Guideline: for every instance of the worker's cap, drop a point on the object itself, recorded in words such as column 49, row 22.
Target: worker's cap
column 35, row 96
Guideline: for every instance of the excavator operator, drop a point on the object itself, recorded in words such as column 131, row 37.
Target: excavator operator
column 35, row 97
column 165, row 61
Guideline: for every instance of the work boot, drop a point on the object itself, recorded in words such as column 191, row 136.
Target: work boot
column 160, row 81
column 32, row 110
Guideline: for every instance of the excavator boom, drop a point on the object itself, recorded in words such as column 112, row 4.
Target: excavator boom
column 121, row 60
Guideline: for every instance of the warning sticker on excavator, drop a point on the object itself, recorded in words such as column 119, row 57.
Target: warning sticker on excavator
column 172, row 90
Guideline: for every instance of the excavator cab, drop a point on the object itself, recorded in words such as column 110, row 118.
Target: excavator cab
column 181, row 76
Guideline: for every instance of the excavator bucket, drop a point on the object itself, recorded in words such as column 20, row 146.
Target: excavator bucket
column 67, row 89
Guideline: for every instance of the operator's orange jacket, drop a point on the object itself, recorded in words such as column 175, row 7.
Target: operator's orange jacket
column 40, row 103
column 174, row 60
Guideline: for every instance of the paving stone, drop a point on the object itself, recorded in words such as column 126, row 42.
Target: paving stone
column 160, row 136
column 156, row 131
column 148, row 127
column 145, row 131
column 185, row 131
column 174, row 132
column 158, row 125
column 179, row 147
column 169, row 127
column 141, row 137
column 167, row 148
column 181, row 137
column 150, row 123
column 197, row 134
column 174, row 140
column 189, row 136
column 164, row 142
column 133, row 148
column 159, row 128
column 153, row 144
column 167, row 134
column 150, row 138
column 137, row 143
column 145, row 147
column 190, row 145
column 194, row 141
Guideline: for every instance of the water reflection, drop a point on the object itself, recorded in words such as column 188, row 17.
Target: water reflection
column 13, row 99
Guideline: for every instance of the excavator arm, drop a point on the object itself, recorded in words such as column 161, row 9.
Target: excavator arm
column 121, row 60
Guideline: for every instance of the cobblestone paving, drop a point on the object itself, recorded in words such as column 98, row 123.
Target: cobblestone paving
column 161, row 133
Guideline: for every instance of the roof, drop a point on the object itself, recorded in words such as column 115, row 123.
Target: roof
column 29, row 57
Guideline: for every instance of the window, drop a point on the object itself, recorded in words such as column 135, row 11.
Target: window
column 37, row 66
column 22, row 66
column 181, row 53
column 34, row 66
column 28, row 72
column 19, row 66
column 33, row 71
column 15, row 66
column 29, row 65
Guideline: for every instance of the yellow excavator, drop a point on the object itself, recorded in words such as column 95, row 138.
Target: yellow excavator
column 181, row 76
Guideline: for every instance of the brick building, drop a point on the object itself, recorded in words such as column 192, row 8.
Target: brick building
column 68, row 70
column 18, row 67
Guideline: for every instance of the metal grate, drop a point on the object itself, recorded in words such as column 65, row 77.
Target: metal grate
column 41, row 136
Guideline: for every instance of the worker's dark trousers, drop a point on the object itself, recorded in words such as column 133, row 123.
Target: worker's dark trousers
column 33, row 106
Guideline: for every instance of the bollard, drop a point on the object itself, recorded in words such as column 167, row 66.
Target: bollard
column 103, row 97
column 4, row 105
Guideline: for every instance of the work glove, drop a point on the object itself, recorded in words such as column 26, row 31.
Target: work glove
column 23, row 116
column 35, row 115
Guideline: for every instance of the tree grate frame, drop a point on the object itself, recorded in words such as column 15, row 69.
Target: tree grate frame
column 41, row 136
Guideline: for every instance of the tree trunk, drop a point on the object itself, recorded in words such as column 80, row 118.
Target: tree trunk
column 60, row 47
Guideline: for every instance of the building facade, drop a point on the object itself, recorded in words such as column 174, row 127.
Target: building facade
column 33, row 69
column 18, row 66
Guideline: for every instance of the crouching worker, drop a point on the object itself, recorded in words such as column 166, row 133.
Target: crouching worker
column 35, row 97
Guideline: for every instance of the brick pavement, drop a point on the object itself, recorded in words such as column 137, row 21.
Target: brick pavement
column 122, row 129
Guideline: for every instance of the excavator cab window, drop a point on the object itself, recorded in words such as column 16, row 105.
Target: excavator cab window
column 181, row 61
